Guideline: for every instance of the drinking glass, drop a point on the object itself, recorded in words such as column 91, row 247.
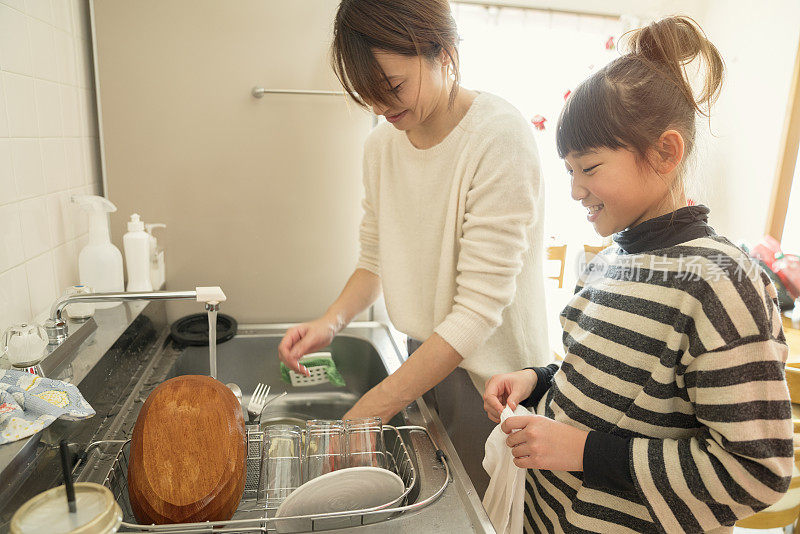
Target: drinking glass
column 364, row 438
column 280, row 464
column 325, row 449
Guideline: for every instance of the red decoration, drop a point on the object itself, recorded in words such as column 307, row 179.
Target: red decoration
column 538, row 122
column 610, row 44
column 690, row 202
column 566, row 95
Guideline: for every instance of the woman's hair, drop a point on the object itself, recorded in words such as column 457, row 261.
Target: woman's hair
column 640, row 95
column 407, row 27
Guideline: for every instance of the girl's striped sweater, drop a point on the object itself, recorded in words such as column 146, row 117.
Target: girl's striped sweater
column 675, row 364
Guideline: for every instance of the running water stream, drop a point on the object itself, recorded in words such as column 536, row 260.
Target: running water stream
column 212, row 338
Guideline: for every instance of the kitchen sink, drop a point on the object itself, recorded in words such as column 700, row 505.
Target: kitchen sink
column 251, row 358
column 442, row 498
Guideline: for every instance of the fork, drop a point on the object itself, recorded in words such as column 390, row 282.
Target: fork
column 258, row 400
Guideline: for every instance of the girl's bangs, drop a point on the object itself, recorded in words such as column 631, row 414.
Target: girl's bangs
column 588, row 120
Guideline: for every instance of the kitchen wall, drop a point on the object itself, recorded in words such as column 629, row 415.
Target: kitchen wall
column 48, row 150
column 260, row 196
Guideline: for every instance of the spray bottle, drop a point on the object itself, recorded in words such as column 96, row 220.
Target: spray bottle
column 100, row 262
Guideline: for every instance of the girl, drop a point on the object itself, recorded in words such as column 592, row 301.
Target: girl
column 452, row 221
column 670, row 411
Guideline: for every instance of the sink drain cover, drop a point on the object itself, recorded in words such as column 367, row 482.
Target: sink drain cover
column 193, row 329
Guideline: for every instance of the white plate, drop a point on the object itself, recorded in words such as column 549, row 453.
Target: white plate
column 354, row 488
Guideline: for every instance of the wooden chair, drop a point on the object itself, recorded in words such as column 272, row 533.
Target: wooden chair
column 786, row 511
column 590, row 251
column 793, row 340
column 559, row 253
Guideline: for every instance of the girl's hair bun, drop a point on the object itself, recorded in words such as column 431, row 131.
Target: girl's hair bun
column 669, row 45
column 641, row 94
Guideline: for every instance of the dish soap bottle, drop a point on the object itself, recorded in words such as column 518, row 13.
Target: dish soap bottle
column 158, row 268
column 100, row 262
column 136, row 243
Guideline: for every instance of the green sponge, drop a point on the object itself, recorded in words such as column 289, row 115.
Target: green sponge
column 322, row 368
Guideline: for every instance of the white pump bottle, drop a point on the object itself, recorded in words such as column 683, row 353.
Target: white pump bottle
column 100, row 262
column 158, row 273
column 136, row 243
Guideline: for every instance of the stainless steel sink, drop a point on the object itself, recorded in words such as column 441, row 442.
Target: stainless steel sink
column 251, row 357
column 364, row 353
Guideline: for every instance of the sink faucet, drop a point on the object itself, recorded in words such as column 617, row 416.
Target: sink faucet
column 56, row 325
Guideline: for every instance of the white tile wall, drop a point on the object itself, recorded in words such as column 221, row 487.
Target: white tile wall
column 48, row 150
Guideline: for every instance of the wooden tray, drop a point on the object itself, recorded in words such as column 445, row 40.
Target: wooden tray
column 188, row 453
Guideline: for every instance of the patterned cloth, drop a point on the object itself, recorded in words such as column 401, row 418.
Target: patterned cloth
column 29, row 403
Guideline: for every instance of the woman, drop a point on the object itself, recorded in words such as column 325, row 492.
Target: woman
column 452, row 227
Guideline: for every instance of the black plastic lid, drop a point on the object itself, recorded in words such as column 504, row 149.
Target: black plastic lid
column 193, row 329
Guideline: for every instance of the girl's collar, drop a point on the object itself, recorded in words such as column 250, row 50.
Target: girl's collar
column 684, row 224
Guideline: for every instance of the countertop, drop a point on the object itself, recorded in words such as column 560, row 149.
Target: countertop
column 101, row 356
column 116, row 358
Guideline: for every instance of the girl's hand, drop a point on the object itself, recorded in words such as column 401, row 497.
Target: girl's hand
column 542, row 443
column 303, row 339
column 508, row 388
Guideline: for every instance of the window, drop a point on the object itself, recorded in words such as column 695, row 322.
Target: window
column 783, row 220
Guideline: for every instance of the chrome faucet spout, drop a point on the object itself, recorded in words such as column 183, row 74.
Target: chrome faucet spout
column 56, row 325
column 57, row 310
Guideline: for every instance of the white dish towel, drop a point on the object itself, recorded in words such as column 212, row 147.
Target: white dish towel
column 505, row 497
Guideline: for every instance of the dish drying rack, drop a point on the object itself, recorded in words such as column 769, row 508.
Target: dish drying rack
column 253, row 515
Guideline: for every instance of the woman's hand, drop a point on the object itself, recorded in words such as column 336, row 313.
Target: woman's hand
column 426, row 367
column 377, row 402
column 305, row 338
column 361, row 290
column 507, row 388
column 542, row 443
